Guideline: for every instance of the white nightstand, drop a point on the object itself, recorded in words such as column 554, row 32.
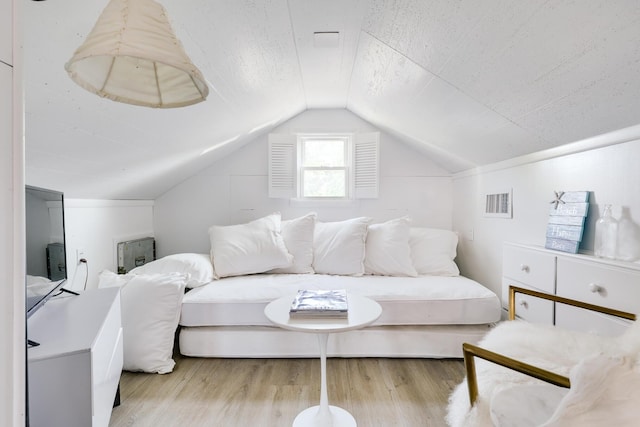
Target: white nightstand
column 73, row 374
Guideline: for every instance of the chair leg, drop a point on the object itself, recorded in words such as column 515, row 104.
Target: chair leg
column 472, row 379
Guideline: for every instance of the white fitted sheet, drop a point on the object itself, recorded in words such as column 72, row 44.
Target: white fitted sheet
column 423, row 300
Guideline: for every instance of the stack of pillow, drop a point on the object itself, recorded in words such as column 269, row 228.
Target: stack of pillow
column 152, row 294
column 353, row 247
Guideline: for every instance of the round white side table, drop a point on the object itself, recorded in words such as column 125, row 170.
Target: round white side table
column 362, row 312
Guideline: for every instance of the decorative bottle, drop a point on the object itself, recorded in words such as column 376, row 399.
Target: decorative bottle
column 606, row 235
column 628, row 242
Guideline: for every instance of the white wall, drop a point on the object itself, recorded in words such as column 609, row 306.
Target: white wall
column 94, row 227
column 610, row 173
column 12, row 319
column 234, row 190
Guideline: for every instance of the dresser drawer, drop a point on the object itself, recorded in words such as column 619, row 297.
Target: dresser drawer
column 532, row 309
column 104, row 388
column 107, row 353
column 534, row 268
column 577, row 319
column 600, row 284
column 105, row 343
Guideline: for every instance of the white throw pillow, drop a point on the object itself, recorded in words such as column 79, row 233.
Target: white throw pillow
column 150, row 313
column 298, row 237
column 433, row 251
column 339, row 247
column 109, row 279
column 249, row 248
column 197, row 266
column 387, row 249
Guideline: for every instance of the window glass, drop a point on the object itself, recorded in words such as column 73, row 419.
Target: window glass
column 324, row 183
column 324, row 152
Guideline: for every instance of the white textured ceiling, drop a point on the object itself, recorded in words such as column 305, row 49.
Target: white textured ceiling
column 469, row 82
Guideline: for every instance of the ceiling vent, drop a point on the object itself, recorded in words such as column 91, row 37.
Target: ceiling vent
column 326, row 39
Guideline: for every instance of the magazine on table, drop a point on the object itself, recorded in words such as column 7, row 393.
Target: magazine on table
column 320, row 303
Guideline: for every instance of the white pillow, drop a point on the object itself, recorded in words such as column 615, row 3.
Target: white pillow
column 433, row 251
column 338, row 247
column 298, row 237
column 249, row 248
column 387, row 250
column 197, row 266
column 150, row 313
column 109, row 279
column 32, row 280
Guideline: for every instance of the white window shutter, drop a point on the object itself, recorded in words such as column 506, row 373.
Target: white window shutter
column 282, row 166
column 366, row 155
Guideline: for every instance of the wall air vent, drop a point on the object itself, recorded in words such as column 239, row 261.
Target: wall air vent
column 498, row 205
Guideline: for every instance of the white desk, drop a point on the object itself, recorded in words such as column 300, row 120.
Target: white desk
column 362, row 312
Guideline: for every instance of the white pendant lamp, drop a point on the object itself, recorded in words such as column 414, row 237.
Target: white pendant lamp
column 132, row 55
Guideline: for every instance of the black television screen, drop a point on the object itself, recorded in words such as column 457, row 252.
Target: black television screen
column 45, row 246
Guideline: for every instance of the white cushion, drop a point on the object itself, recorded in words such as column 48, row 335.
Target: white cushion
column 339, row 247
column 433, row 251
column 387, row 249
column 197, row 266
column 249, row 248
column 298, row 237
column 150, row 313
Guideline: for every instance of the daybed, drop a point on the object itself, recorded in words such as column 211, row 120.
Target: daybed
column 429, row 310
column 424, row 316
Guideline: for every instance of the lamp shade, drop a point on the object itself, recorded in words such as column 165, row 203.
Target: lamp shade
column 132, row 55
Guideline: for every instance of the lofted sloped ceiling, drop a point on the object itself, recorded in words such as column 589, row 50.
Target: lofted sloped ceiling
column 468, row 82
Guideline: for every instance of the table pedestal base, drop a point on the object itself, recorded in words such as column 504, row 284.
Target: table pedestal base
column 311, row 417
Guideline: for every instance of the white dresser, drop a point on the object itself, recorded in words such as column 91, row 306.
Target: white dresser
column 582, row 277
column 74, row 373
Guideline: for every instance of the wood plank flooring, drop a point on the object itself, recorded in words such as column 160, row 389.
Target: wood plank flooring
column 271, row 392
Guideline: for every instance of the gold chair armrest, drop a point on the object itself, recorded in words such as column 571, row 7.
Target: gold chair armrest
column 575, row 303
column 470, row 351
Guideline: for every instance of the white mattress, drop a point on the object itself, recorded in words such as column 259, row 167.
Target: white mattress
column 375, row 341
column 423, row 300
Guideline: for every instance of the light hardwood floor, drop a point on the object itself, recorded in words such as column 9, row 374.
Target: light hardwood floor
column 271, row 392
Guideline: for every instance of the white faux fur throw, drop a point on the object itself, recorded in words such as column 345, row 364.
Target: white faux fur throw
column 547, row 347
column 605, row 391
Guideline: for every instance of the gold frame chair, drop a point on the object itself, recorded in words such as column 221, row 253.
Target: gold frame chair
column 471, row 351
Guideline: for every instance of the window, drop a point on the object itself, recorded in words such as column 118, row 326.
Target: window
column 323, row 166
